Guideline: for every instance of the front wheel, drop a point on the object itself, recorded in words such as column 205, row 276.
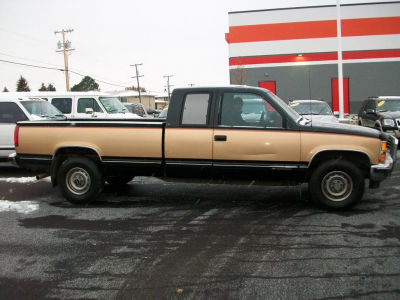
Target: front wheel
column 336, row 184
column 80, row 180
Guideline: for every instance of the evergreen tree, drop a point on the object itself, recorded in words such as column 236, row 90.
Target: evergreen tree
column 5, row 89
column 51, row 88
column 42, row 88
column 22, row 85
column 86, row 84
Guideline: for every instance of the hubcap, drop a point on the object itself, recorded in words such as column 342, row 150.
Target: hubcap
column 78, row 181
column 337, row 186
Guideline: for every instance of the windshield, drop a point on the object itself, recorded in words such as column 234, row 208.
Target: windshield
column 113, row 105
column 388, row 105
column 293, row 114
column 41, row 108
column 164, row 113
column 311, row 108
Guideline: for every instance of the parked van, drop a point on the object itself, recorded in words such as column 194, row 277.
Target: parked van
column 80, row 105
column 13, row 111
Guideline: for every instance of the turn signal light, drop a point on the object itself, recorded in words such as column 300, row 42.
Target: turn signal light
column 383, row 157
column 383, row 146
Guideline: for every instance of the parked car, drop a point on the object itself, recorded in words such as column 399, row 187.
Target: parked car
column 152, row 112
column 382, row 113
column 82, row 105
column 163, row 114
column 314, row 110
column 13, row 111
column 136, row 108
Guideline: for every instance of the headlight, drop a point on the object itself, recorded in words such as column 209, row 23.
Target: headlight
column 388, row 122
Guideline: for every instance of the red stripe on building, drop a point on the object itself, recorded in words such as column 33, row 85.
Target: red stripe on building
column 291, row 58
column 312, row 29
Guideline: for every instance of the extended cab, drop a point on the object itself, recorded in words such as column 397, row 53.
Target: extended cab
column 208, row 135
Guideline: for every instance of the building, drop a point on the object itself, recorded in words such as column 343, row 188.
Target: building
column 293, row 51
column 147, row 99
column 161, row 101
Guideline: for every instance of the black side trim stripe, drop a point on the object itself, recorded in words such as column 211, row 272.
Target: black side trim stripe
column 7, row 148
column 34, row 157
column 131, row 160
column 96, row 123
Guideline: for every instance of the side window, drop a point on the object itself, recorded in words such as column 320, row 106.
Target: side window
column 63, row 104
column 370, row 104
column 195, row 109
column 245, row 109
column 11, row 113
column 84, row 103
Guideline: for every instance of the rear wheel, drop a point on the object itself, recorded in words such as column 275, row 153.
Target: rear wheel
column 336, row 184
column 80, row 180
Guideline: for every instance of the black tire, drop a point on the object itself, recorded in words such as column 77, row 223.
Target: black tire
column 119, row 180
column 336, row 184
column 80, row 180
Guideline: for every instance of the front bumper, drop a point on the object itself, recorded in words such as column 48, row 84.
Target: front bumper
column 380, row 171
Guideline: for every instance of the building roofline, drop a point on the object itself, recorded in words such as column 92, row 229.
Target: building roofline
column 317, row 6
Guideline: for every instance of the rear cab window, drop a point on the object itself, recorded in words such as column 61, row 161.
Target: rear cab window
column 196, row 109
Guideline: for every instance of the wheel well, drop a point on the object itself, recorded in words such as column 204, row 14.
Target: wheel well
column 63, row 153
column 361, row 160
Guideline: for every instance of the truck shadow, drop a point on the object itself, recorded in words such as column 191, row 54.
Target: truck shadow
column 177, row 196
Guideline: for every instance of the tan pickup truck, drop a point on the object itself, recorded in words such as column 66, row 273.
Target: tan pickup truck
column 219, row 134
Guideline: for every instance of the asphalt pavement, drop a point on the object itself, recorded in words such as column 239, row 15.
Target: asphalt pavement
column 157, row 240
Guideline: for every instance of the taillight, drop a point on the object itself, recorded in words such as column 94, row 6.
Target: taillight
column 16, row 136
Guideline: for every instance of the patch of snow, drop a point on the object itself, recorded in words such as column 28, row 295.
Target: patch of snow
column 19, row 179
column 22, row 207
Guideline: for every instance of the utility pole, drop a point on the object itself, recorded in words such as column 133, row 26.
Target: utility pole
column 65, row 47
column 137, row 78
column 168, row 86
column 340, row 61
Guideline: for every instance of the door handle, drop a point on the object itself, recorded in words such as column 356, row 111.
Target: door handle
column 220, row 138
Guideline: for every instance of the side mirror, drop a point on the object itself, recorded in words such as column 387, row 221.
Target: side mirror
column 89, row 111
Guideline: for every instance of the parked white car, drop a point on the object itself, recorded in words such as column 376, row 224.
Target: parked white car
column 82, row 105
column 13, row 111
column 314, row 110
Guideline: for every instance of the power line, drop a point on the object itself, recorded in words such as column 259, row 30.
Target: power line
column 59, row 69
column 33, row 66
column 34, row 60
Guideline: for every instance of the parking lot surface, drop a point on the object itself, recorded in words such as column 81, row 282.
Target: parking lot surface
column 157, row 240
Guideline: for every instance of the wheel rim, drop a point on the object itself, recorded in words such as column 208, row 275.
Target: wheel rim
column 337, row 186
column 78, row 181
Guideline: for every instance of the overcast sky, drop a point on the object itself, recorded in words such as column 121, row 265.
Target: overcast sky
column 176, row 37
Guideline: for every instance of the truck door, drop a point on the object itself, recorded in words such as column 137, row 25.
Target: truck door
column 250, row 136
column 188, row 135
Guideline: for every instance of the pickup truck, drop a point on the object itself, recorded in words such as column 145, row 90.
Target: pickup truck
column 217, row 134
